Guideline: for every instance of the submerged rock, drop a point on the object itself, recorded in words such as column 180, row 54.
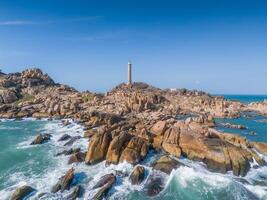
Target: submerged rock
column 137, row 175
column 75, row 193
column 64, row 137
column 21, row 192
column 41, row 138
column 154, row 185
column 72, row 140
column 69, row 152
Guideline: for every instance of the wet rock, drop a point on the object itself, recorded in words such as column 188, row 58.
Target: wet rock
column 21, row 192
column 76, row 157
column 137, row 175
column 72, row 140
column 135, row 151
column 69, row 152
column 66, row 122
column 108, row 178
column 105, row 183
column 41, row 138
column 75, row 193
column 64, row 137
column 154, row 185
column 166, row 164
column 98, row 147
column 64, row 182
column 117, row 145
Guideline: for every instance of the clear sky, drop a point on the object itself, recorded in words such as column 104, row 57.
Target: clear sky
column 219, row 46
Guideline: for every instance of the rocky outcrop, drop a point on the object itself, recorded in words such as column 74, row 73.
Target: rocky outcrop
column 135, row 151
column 21, row 192
column 138, row 175
column 64, row 182
column 98, row 147
column 116, row 147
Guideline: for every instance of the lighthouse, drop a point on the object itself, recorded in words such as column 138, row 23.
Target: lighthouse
column 129, row 73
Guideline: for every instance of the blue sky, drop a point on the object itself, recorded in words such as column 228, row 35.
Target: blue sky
column 216, row 46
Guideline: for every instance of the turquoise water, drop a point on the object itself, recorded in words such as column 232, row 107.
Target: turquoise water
column 246, row 98
column 21, row 163
column 256, row 127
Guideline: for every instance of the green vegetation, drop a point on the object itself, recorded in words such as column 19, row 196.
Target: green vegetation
column 26, row 97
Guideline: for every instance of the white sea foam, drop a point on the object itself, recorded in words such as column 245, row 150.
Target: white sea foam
column 87, row 176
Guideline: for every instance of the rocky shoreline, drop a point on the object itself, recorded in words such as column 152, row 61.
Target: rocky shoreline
column 127, row 122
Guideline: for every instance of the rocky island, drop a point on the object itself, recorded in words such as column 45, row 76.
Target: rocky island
column 129, row 121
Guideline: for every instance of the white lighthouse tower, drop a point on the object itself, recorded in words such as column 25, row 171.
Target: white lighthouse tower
column 129, row 73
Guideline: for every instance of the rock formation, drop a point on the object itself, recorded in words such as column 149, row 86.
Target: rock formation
column 124, row 124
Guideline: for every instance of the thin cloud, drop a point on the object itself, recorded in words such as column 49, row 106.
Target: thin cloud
column 56, row 21
column 16, row 22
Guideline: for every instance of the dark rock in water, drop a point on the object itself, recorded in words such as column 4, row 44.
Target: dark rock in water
column 72, row 140
column 41, row 195
column 154, row 185
column 40, row 139
column 76, row 157
column 105, row 183
column 21, row 192
column 108, row 178
column 260, row 183
column 66, row 122
column 121, row 174
column 166, row 164
column 234, row 126
column 76, row 192
column 68, row 152
column 64, row 182
column 137, row 175
column 64, row 137
column 242, row 180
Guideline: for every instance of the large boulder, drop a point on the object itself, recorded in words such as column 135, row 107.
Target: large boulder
column 138, row 175
column 98, row 147
column 117, row 145
column 170, row 142
column 21, row 192
column 166, row 164
column 220, row 155
column 135, row 151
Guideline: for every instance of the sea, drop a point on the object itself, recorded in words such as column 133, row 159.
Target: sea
column 37, row 166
